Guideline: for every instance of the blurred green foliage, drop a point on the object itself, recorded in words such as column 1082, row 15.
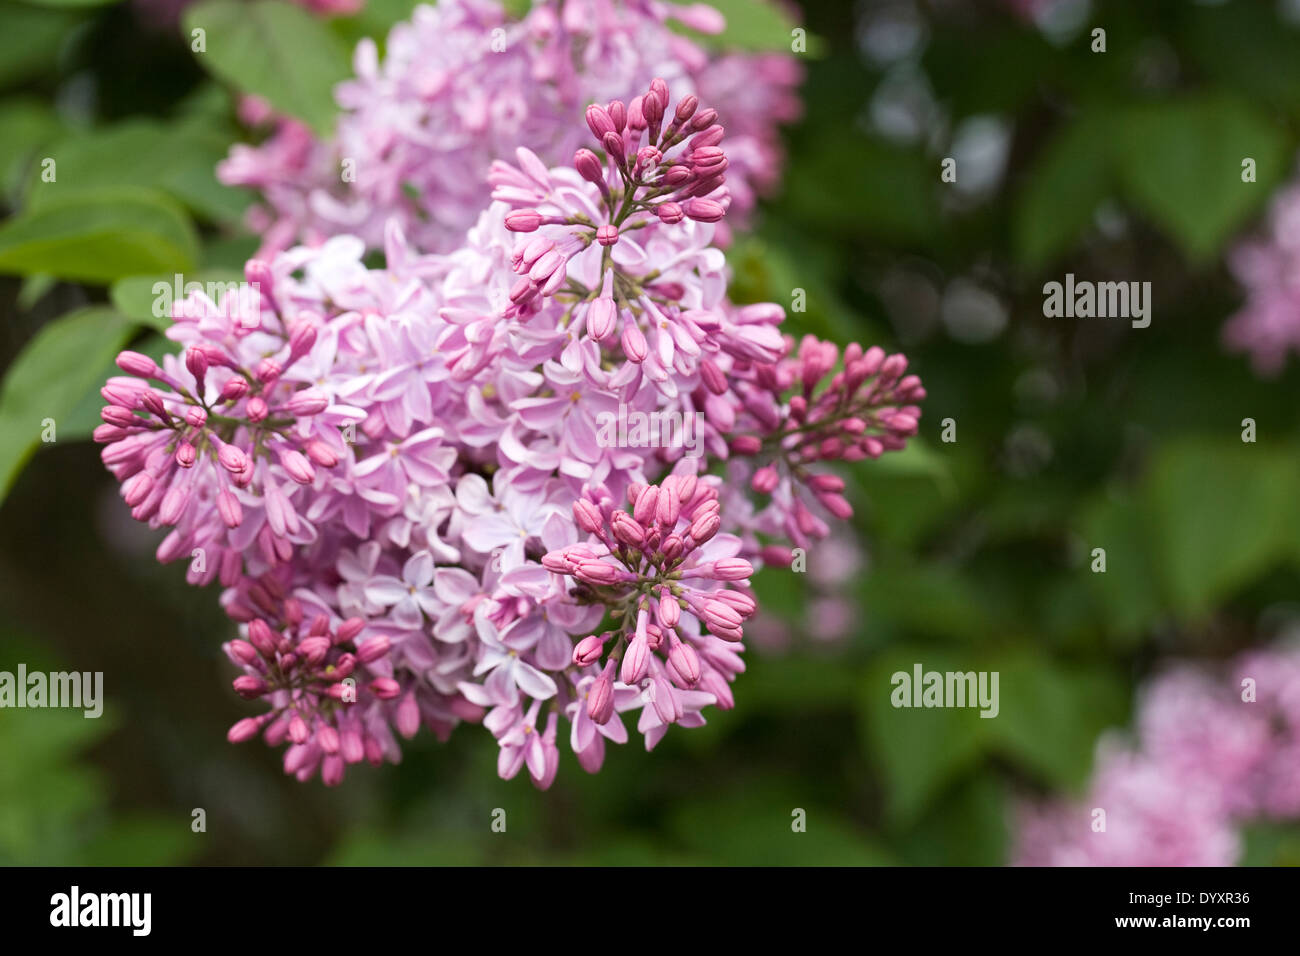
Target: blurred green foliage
column 1071, row 435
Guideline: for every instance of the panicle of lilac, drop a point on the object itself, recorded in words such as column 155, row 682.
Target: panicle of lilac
column 1214, row 748
column 469, row 84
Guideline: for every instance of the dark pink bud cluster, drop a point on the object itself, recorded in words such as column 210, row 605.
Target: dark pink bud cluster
column 663, row 573
column 320, row 679
column 807, row 407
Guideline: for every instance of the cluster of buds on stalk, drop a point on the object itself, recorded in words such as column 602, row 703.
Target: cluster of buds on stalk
column 319, row 679
column 662, row 571
column 803, row 410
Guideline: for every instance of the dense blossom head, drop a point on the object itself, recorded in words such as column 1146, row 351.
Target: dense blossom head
column 461, row 85
column 522, row 483
column 1267, row 326
column 1214, row 749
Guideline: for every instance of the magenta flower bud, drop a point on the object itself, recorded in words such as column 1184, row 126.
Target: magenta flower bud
column 349, row 629
column 670, row 213
column 228, row 507
column 589, row 649
column 249, row 687
column 141, row 366
column 321, row 453
column 703, row 210
column 635, row 114
column 174, row 504
column 677, row 176
column 196, row 417
column 826, row 483
column 599, row 121
column 588, row 166
column 196, row 360
column 119, row 415
column 714, row 683
column 243, row 730
column 720, row 614
column 232, row 459
column 707, row 158
column 665, row 701
column 670, row 611
column 372, row 650
column 765, row 480
column 299, row 732
column 597, row 572
column 587, row 516
column 626, row 530
column 684, row 660
column 732, row 569
column 634, row 343
column 776, row 556
column 302, row 336
column 668, row 507
column 244, row 651
column 607, row 235
column 686, row 107
column 600, row 698
column 617, row 114
column 306, row 403
column 314, row 649
column 268, row 370
column 704, row 119
column 613, row 144
column 152, row 402
column 298, row 467
column 328, row 738
column 233, row 390
column 643, row 510
column 262, row 637
column 385, row 688
column 523, row 220
column 136, row 488
column 636, row 661
column 601, row 318
column 108, row 433
column 746, row 445
column 837, row 505
column 705, row 526
column 257, row 410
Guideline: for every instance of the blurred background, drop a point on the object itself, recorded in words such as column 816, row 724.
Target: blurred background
column 1071, row 434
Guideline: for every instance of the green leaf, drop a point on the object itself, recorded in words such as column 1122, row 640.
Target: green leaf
column 50, row 377
column 920, row 749
column 1069, row 180
column 1181, row 165
column 98, row 235
column 755, row 26
column 26, row 124
column 179, row 160
column 1223, row 511
column 31, row 38
column 276, row 50
column 71, row 3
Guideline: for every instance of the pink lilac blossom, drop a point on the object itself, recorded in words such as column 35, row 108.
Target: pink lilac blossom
column 462, row 84
column 1267, row 327
column 1213, row 750
column 407, row 479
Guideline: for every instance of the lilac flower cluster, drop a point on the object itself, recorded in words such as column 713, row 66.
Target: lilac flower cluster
column 1268, row 325
column 462, row 84
column 1214, row 750
column 406, row 481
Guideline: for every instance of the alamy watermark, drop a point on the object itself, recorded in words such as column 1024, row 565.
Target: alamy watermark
column 658, row 429
column 82, row 691
column 166, row 295
column 1101, row 300
column 923, row 688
